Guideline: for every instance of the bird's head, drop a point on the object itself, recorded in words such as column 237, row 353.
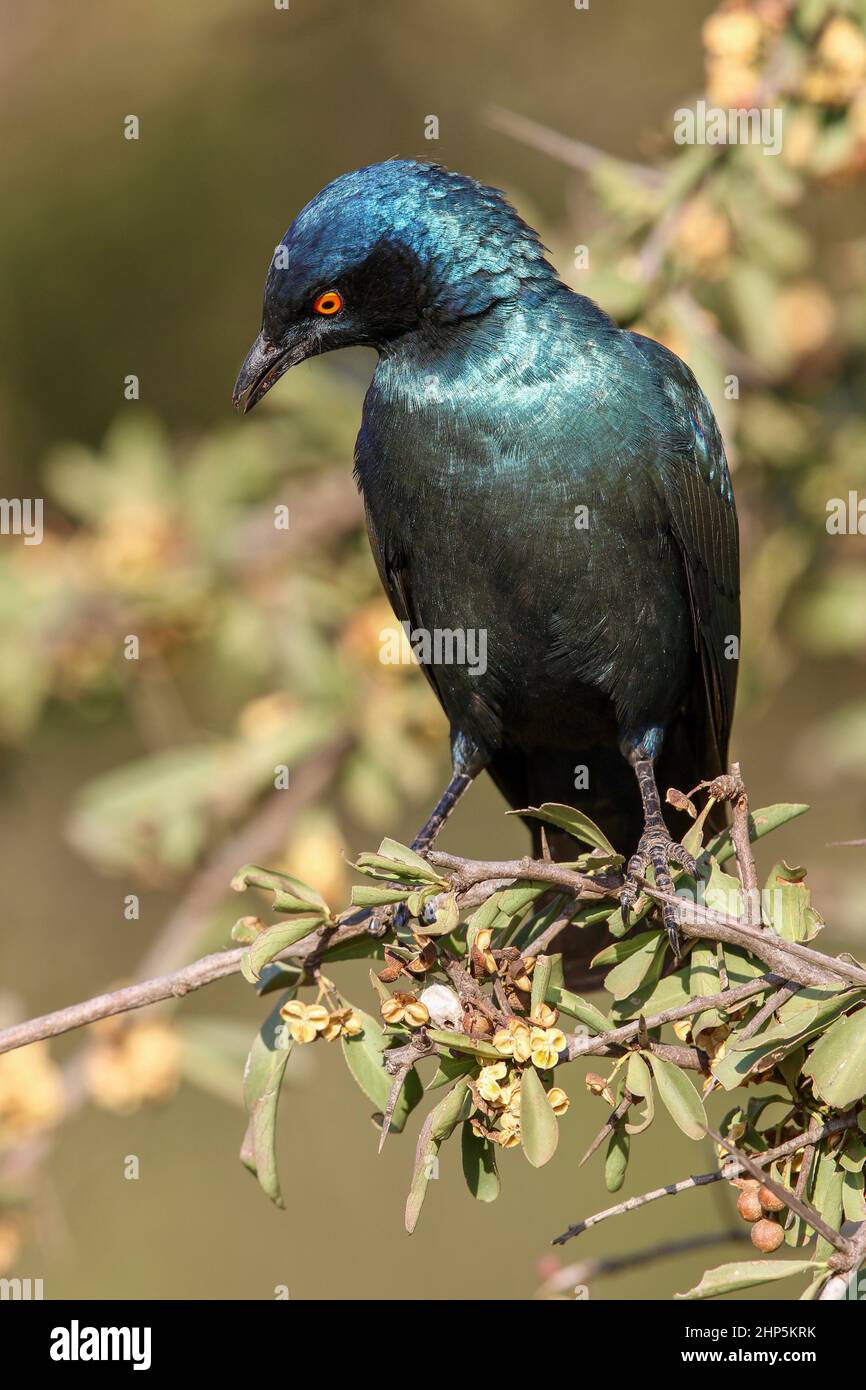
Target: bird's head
column 381, row 251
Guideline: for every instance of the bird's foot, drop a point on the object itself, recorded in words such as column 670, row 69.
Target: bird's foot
column 656, row 850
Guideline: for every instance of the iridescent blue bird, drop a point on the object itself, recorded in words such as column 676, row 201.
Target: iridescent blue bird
column 532, row 474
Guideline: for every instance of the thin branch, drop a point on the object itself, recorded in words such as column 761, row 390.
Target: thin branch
column 576, row 154
column 580, row 1045
column 731, row 1170
column 610, row 1124
column 596, row 1267
column 789, row 959
column 741, row 841
column 171, row 986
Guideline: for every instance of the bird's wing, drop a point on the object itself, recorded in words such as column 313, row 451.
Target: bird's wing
column 393, row 565
column 693, row 472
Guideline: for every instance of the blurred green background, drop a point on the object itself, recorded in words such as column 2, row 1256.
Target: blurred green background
column 259, row 647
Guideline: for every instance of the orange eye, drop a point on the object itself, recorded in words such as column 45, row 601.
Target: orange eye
column 331, row 302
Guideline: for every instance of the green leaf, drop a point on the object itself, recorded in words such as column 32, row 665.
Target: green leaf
column 396, row 861
column 479, row 1165
column 263, row 1075
column 462, row 1042
column 827, row 1199
column 642, row 968
column 540, row 980
column 680, row 1098
column 761, row 823
column 518, row 899
column 788, row 904
column 637, row 1076
column 853, row 1203
column 364, row 1056
column 539, row 1131
column 745, row 1274
column 799, row 1232
column 275, row 939
column 438, row 1126
column 616, row 1159
column 621, row 950
column 449, row 1069
column 646, row 1118
column 575, row 1007
column 703, row 969
column 392, row 849
column 722, row 892
column 574, row 822
column 364, row 896
column 837, row 1063
column 290, row 894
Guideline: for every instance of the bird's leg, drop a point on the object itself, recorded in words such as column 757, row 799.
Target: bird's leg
column 657, row 849
column 383, row 917
column 426, row 836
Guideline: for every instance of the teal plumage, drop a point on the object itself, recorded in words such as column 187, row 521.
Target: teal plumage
column 531, row 470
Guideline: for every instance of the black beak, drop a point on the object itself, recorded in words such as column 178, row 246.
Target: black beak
column 266, row 362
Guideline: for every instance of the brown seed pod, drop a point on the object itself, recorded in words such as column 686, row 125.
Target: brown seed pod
column 769, row 1201
column 749, row 1207
column 767, row 1236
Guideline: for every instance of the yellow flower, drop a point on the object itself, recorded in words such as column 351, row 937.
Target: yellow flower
column 305, row 1021
column 843, row 46
column 549, row 1037
column 136, row 1063
column 488, row 1082
column 509, row 1130
column 342, row 1021
column 503, row 1041
column 733, row 34
column 31, row 1091
column 522, row 1049
column 543, row 1016
column 559, row 1101
column 405, row 1008
column 510, row 1094
column 544, row 1056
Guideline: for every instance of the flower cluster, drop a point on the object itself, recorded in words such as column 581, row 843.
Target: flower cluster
column 307, row 1022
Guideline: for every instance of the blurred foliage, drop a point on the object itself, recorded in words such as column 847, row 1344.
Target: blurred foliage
column 243, row 554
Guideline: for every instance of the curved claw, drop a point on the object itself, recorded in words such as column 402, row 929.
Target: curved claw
column 656, row 850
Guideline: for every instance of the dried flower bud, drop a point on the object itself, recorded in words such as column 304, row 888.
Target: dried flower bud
column 559, row 1101
column 416, row 1014
column 543, row 1016
column 598, row 1086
